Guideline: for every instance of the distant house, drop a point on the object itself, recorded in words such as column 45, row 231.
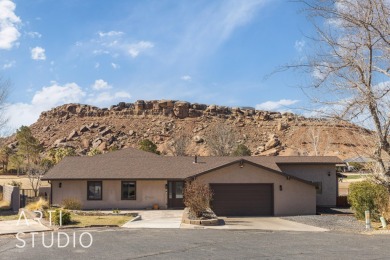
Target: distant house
column 242, row 186
column 351, row 163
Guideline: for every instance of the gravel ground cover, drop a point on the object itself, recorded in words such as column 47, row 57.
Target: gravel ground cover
column 343, row 223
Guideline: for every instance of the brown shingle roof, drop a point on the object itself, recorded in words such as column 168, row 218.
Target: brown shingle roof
column 131, row 163
column 307, row 159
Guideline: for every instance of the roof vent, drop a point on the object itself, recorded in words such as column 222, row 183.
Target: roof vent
column 196, row 159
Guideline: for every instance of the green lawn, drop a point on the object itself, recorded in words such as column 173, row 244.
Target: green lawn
column 355, row 176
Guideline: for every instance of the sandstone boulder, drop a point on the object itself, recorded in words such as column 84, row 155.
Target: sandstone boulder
column 181, row 109
column 72, row 135
column 197, row 139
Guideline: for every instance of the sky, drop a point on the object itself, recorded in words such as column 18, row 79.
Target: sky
column 102, row 52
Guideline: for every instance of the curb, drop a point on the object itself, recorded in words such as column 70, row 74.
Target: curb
column 199, row 222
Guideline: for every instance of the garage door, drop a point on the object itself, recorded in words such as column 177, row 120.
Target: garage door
column 242, row 199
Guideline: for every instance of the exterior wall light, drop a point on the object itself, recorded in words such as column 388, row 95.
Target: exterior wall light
column 241, row 164
column 280, row 187
column 60, row 185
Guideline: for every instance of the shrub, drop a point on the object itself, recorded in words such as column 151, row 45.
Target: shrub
column 40, row 204
column 197, row 197
column 71, row 203
column 367, row 195
column 148, row 146
column 242, row 150
column 15, row 183
column 66, row 217
column 94, row 151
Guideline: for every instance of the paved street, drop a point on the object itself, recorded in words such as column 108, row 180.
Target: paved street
column 203, row 244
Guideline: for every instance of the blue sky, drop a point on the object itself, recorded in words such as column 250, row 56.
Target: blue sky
column 101, row 52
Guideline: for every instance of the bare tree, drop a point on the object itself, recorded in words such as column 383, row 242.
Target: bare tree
column 221, row 140
column 350, row 66
column 319, row 139
column 4, row 90
column 180, row 145
column 35, row 173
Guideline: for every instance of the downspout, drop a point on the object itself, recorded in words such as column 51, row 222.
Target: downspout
column 51, row 192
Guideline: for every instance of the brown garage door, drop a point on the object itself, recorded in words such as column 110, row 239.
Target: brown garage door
column 243, row 199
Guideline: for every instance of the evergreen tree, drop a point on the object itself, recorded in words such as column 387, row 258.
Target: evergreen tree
column 148, row 146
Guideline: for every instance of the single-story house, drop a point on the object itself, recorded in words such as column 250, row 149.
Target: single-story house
column 257, row 186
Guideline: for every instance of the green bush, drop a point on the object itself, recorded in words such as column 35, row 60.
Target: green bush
column 71, row 203
column 367, row 195
column 66, row 218
column 242, row 150
column 148, row 146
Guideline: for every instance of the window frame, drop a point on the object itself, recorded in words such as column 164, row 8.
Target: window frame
column 101, row 189
column 135, row 190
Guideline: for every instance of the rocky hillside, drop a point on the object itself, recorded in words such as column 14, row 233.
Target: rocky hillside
column 84, row 127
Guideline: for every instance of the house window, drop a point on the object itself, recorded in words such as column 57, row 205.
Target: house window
column 318, row 186
column 128, row 190
column 95, row 190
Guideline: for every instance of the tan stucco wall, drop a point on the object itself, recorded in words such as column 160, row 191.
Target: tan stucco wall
column 147, row 194
column 296, row 198
column 317, row 173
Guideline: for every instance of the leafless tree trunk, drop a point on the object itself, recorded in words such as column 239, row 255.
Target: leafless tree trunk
column 221, row 140
column 180, row 145
column 350, row 66
column 35, row 174
column 319, row 139
column 4, row 90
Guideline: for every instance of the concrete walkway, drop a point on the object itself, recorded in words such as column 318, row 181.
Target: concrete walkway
column 260, row 223
column 12, row 227
column 157, row 219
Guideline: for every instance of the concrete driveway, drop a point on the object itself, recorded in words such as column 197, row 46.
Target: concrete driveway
column 260, row 223
column 12, row 227
column 157, row 219
column 172, row 219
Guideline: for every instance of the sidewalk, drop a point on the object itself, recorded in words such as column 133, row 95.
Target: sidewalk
column 12, row 227
column 157, row 219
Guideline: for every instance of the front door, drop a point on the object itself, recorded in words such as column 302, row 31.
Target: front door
column 175, row 194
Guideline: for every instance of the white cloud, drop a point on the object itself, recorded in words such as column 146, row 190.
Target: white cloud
column 9, row 22
column 114, row 43
column 299, row 45
column 38, row 53
column 207, row 30
column 55, row 94
column 108, row 98
column 101, row 85
column 110, row 33
column 280, row 105
column 34, row 34
column 115, row 66
column 97, row 65
column 186, row 78
column 321, row 71
column 135, row 49
column 44, row 99
column 9, row 65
